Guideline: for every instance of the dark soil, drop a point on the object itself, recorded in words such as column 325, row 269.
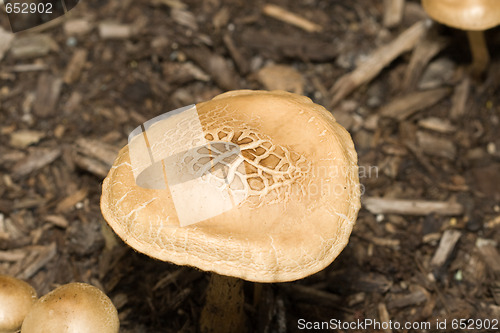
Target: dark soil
column 76, row 89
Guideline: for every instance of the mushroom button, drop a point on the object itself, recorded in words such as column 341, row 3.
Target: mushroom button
column 473, row 16
column 16, row 298
column 74, row 307
column 291, row 191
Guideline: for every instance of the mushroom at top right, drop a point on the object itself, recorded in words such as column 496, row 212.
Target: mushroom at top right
column 473, row 16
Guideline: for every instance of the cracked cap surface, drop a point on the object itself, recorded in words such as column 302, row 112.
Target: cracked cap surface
column 298, row 170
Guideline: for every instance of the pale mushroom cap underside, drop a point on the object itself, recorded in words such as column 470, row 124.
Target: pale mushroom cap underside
column 464, row 14
column 298, row 169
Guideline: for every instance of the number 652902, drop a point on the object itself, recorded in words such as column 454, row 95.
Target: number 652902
column 28, row 8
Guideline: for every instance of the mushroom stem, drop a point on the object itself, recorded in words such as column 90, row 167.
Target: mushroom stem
column 479, row 50
column 223, row 310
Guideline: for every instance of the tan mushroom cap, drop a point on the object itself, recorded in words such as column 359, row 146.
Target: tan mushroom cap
column 75, row 308
column 464, row 14
column 304, row 194
column 16, row 299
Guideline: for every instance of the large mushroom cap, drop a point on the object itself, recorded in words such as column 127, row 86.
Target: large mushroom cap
column 75, row 308
column 16, row 299
column 464, row 14
column 297, row 167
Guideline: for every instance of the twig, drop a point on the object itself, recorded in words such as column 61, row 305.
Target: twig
column 445, row 248
column 5, row 41
column 37, row 159
column 240, row 61
column 420, row 58
column 411, row 207
column 290, row 18
column 309, row 294
column 459, row 98
column 393, row 12
column 377, row 61
column 403, row 107
column 384, row 316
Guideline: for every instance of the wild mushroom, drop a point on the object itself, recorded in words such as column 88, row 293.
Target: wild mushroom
column 16, row 299
column 256, row 185
column 73, row 307
column 473, row 16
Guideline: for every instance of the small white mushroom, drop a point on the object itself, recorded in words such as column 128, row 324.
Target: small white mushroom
column 75, row 308
column 16, row 299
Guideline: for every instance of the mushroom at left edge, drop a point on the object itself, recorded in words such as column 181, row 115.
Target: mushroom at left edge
column 16, row 299
column 75, row 308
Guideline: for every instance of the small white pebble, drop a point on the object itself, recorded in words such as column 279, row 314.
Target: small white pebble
column 480, row 242
column 71, row 42
column 27, row 118
column 491, row 148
